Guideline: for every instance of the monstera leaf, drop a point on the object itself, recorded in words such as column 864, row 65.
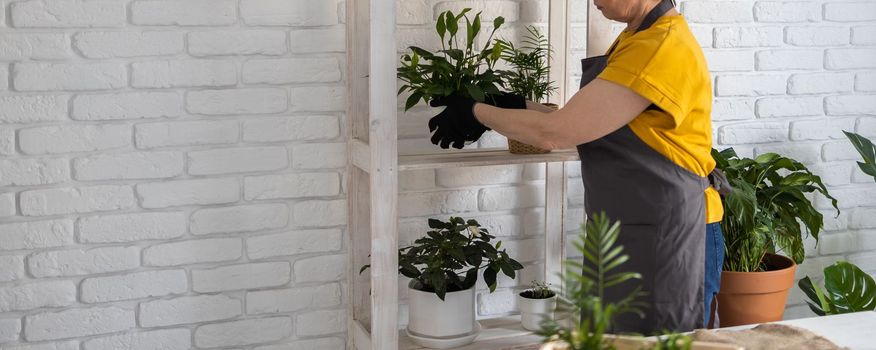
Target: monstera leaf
column 867, row 151
column 848, row 289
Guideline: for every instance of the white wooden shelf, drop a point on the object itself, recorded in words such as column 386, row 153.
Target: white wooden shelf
column 480, row 158
column 505, row 333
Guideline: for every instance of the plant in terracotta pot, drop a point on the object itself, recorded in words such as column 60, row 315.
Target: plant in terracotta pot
column 528, row 77
column 536, row 305
column 767, row 212
column 444, row 267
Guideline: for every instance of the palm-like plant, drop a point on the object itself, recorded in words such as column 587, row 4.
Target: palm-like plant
column 529, row 76
column 765, row 209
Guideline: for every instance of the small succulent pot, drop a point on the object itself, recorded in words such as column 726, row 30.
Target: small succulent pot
column 517, row 147
column 534, row 311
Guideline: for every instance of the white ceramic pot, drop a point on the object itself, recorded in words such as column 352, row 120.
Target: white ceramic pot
column 430, row 317
column 534, row 311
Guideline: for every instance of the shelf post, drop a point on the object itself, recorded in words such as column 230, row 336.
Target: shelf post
column 555, row 213
column 558, row 39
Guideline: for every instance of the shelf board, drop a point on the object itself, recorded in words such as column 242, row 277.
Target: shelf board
column 504, row 333
column 469, row 158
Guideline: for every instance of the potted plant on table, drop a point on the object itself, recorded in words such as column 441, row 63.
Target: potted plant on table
column 767, row 212
column 444, row 267
column 536, row 304
column 528, row 77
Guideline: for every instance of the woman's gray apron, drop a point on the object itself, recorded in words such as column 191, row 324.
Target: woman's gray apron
column 661, row 207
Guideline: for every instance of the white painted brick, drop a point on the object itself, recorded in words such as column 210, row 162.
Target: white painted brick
column 4, row 77
column 183, row 73
column 502, row 301
column 38, row 46
column 7, row 141
column 184, row 13
column 69, row 76
column 850, row 198
column 243, row 276
column 188, row 309
column 423, row 37
column 780, row 11
column 318, row 98
column 76, row 200
column 467, row 177
column 865, row 35
column 78, row 323
column 750, row 85
column 864, row 259
column 41, row 171
column 771, row 107
column 821, row 129
column 237, row 160
column 29, row 109
column 36, row 234
column 239, row 219
column 193, row 252
column 239, row 101
column 292, row 186
column 10, row 329
column 163, row 339
column 83, row 261
column 292, row 299
column 508, row 9
column 73, row 138
column 321, row 322
column 320, row 213
column 67, row 14
column 132, row 227
column 866, row 240
column 703, row 35
column 850, row 11
column 851, row 105
column 748, row 133
column 237, row 42
column 11, row 268
column 820, row 83
column 243, row 332
column 36, row 295
column 724, row 109
column 330, row 39
column 188, row 192
column 73, row 345
column 504, row 198
column 292, row 70
column 747, row 36
column 857, row 58
column 789, row 59
column 307, row 344
column 7, row 204
column 865, row 81
column 805, row 153
column 191, row 133
column 867, row 127
column 817, row 36
column 293, row 128
column 127, row 106
column 122, row 166
column 326, row 268
column 297, row 13
column 128, row 44
column 435, row 202
column 319, row 155
column 419, row 12
column 134, row 286
column 718, row 11
column 835, row 151
column 292, row 243
column 837, row 243
column 729, row 61
column 416, row 180
column 863, row 218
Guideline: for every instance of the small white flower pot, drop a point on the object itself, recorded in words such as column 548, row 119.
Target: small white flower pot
column 431, row 318
column 534, row 311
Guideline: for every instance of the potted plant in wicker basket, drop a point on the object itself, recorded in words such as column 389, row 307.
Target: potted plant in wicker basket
column 529, row 76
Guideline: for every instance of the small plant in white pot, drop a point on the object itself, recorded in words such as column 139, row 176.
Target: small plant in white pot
column 536, row 305
column 444, row 267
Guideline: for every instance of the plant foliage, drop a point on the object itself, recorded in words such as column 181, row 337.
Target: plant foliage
column 529, row 76
column 449, row 257
column 867, row 151
column 538, row 290
column 846, row 289
column 768, row 208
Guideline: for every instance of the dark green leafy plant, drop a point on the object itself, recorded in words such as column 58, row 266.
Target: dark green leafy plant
column 459, row 68
column 584, row 288
column 846, row 289
column 764, row 212
column 538, row 290
column 529, row 76
column 449, row 257
column 867, row 151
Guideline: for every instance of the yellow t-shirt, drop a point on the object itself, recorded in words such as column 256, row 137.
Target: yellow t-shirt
column 665, row 64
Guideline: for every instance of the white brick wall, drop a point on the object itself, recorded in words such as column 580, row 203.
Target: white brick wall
column 169, row 162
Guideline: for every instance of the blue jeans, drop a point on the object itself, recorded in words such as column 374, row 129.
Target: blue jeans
column 714, row 265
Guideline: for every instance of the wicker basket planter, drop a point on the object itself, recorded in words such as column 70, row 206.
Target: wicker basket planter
column 517, row 147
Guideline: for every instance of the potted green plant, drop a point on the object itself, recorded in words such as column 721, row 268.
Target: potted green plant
column 529, row 76
column 536, row 305
column 443, row 267
column 767, row 212
column 867, row 151
column 846, row 289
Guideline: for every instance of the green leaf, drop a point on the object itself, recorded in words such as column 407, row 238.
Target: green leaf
column 475, row 93
column 867, row 151
column 413, row 99
column 498, row 22
column 490, row 274
column 364, row 268
column 441, row 26
column 849, row 288
column 452, row 23
column 818, row 302
column 436, row 224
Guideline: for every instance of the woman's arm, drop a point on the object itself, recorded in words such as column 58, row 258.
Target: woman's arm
column 596, row 110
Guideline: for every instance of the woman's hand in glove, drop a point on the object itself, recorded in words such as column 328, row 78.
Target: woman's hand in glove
column 457, row 122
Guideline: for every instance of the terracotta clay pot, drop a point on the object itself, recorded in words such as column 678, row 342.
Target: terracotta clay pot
column 756, row 297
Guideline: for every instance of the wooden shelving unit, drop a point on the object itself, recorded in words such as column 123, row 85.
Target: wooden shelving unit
column 375, row 164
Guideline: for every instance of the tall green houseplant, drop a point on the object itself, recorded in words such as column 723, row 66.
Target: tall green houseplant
column 529, row 74
column 768, row 209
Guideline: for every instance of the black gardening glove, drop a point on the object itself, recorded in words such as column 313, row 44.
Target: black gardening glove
column 458, row 121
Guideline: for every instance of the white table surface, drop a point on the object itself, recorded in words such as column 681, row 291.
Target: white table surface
column 855, row 331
